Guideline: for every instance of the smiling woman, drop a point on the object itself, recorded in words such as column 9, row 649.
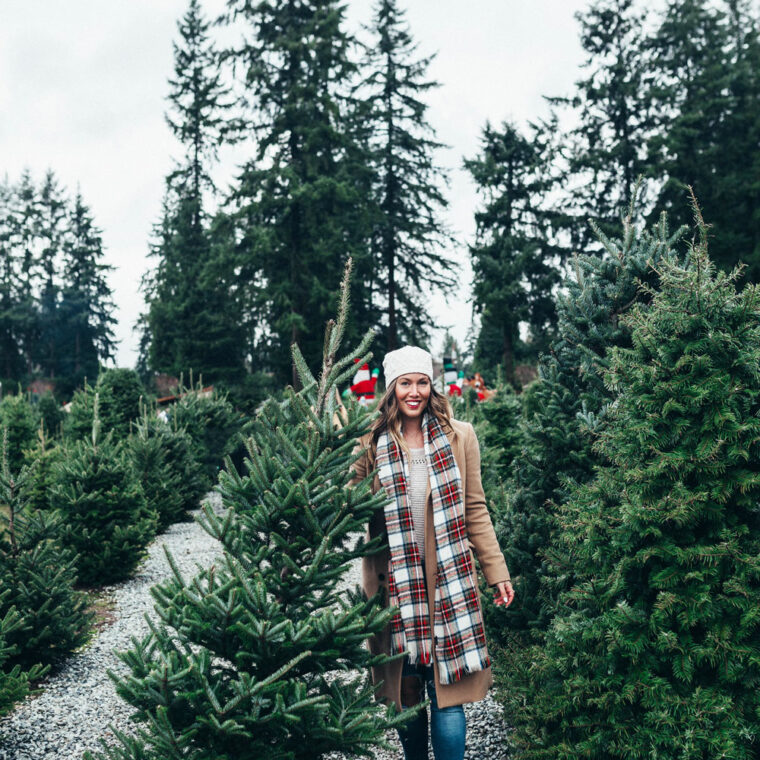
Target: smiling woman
column 428, row 464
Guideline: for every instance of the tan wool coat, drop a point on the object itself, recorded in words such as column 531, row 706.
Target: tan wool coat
column 464, row 443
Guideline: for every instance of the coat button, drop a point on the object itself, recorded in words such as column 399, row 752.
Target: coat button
column 381, row 576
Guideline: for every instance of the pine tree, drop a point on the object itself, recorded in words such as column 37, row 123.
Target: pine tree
column 295, row 203
column 409, row 238
column 39, row 572
column 515, row 258
column 107, row 521
column 77, row 424
column 192, row 322
column 15, row 683
column 85, row 332
column 11, row 363
column 566, row 403
column 213, row 426
column 606, row 153
column 161, row 482
column 705, row 88
column 119, row 395
column 51, row 231
column 20, row 422
column 655, row 650
column 24, row 220
column 253, row 657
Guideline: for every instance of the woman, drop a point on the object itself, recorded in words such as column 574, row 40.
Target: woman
column 429, row 466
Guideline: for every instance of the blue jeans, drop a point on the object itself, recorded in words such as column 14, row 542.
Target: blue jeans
column 448, row 725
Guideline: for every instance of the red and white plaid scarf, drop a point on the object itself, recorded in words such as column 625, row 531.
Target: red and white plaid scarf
column 460, row 642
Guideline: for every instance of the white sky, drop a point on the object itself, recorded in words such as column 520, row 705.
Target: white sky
column 83, row 86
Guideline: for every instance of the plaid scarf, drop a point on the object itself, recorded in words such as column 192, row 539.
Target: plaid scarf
column 460, row 643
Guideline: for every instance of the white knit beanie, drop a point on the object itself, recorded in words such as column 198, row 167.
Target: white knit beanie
column 405, row 360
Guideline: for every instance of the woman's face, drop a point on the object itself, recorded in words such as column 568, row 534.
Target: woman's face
column 412, row 394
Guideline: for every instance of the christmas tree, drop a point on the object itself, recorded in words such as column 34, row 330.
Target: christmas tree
column 108, row 522
column 566, row 404
column 655, row 650
column 161, row 480
column 15, row 683
column 39, row 573
column 256, row 657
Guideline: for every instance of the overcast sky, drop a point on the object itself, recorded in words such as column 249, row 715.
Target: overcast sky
column 83, row 86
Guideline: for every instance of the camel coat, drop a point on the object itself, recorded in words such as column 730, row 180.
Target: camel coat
column 464, row 443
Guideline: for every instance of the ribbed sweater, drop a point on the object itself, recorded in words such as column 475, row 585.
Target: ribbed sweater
column 418, row 481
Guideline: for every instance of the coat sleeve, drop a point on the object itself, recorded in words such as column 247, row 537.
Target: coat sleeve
column 477, row 520
column 360, row 468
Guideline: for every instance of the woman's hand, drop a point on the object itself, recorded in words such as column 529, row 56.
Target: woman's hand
column 503, row 593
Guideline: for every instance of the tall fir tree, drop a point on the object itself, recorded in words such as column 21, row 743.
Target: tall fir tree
column 295, row 201
column 51, row 231
column 86, row 322
column 705, row 86
column 55, row 303
column 604, row 151
column 11, row 357
column 189, row 323
column 654, row 651
column 409, row 237
column 256, row 657
column 515, row 257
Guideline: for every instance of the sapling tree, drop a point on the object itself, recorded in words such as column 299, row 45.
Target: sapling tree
column 261, row 655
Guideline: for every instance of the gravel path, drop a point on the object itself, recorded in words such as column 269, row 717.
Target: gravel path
column 79, row 702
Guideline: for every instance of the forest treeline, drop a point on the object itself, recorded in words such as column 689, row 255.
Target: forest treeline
column 344, row 162
column 341, row 160
column 56, row 308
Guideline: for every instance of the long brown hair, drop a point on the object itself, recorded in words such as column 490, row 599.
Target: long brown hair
column 390, row 416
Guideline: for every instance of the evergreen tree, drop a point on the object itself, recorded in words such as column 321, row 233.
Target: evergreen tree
column 706, row 91
column 51, row 230
column 213, row 426
column 86, row 311
column 51, row 415
column 39, row 573
column 296, row 199
column 605, row 154
column 11, row 361
column 189, row 323
column 55, row 305
column 567, row 402
column 515, row 258
column 177, row 447
column 24, row 221
column 18, row 419
column 119, row 393
column 655, row 650
column 409, row 238
column 15, row 683
column 40, row 477
column 77, row 424
column 161, row 483
column 107, row 521
column 253, row 658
